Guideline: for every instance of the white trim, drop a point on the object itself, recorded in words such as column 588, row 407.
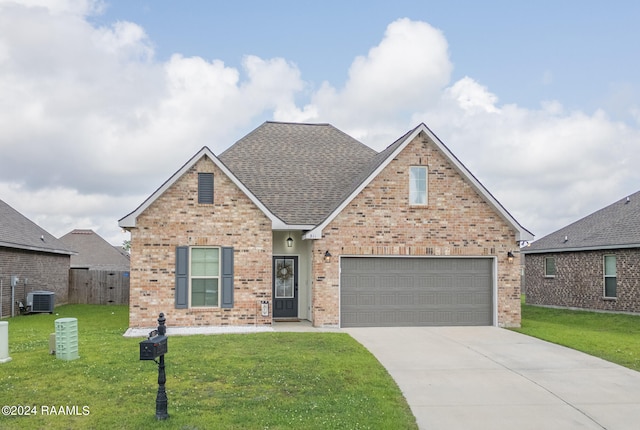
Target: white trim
column 521, row 232
column 494, row 280
column 37, row 248
column 576, row 249
column 129, row 221
column 495, row 291
column 280, row 225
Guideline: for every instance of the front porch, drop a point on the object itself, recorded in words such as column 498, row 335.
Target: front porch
column 291, row 277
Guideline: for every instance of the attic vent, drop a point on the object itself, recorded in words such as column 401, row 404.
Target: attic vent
column 628, row 200
column 566, row 238
column 205, row 188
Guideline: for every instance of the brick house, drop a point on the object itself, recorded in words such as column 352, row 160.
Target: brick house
column 301, row 221
column 593, row 263
column 31, row 259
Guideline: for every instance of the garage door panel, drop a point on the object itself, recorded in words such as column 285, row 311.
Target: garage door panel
column 465, row 281
column 482, row 299
column 366, row 300
column 365, row 282
column 416, row 291
column 426, row 318
column 464, row 298
column 404, row 300
column 400, row 282
column 349, row 300
column 424, row 299
column 348, row 282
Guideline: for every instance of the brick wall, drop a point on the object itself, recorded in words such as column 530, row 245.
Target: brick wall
column 579, row 280
column 176, row 219
column 379, row 221
column 43, row 272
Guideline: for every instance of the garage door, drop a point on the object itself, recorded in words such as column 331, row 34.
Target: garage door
column 392, row 291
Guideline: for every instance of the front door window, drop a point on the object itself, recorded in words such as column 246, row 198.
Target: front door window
column 284, row 278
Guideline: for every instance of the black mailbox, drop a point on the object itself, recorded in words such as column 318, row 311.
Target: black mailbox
column 154, row 347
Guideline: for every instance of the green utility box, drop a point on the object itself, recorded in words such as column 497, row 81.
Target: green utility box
column 67, row 338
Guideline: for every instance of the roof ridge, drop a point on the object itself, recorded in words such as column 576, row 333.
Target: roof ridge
column 297, row 123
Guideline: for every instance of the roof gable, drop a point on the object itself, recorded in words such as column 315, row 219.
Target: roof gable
column 382, row 160
column 302, row 175
column 614, row 226
column 17, row 231
column 129, row 221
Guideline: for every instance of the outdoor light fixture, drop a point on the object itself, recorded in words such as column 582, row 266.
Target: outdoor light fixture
column 510, row 256
column 289, row 242
column 327, row 257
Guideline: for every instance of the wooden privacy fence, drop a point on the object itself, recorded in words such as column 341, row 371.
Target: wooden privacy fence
column 98, row 287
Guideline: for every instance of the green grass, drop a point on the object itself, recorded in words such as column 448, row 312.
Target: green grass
column 243, row 381
column 613, row 337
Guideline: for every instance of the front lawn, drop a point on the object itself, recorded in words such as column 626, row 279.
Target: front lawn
column 613, row 337
column 239, row 381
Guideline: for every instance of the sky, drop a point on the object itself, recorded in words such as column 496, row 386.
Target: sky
column 102, row 101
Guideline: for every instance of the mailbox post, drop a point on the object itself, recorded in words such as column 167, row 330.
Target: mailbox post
column 153, row 347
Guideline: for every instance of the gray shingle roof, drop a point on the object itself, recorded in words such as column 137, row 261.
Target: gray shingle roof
column 369, row 168
column 17, row 231
column 94, row 252
column 300, row 172
column 615, row 226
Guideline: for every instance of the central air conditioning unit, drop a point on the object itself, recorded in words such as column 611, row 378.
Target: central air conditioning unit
column 40, row 301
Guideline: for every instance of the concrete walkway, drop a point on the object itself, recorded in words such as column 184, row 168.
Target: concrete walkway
column 492, row 378
column 298, row 326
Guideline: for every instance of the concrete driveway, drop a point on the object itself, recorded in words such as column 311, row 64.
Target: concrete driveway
column 492, row 378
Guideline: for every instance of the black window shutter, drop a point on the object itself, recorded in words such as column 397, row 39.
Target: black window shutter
column 182, row 277
column 227, row 277
column 205, row 188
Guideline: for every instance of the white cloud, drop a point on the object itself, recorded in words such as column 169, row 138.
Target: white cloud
column 407, row 70
column 471, row 97
column 92, row 123
column 549, row 167
column 60, row 210
column 72, row 7
column 88, row 110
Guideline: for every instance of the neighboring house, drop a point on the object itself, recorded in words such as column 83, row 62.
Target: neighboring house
column 301, row 221
column 593, row 263
column 93, row 252
column 99, row 270
column 31, row 260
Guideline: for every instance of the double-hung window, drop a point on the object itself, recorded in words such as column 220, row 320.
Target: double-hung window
column 610, row 277
column 205, row 277
column 418, row 185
